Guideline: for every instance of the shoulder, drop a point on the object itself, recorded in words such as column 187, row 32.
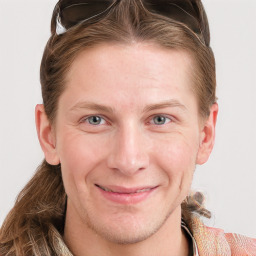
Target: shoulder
column 214, row 241
column 241, row 245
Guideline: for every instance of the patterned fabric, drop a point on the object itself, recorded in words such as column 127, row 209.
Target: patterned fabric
column 214, row 242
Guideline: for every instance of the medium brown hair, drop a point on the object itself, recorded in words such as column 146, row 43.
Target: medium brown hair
column 35, row 225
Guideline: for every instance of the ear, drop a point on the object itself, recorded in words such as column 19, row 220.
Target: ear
column 207, row 136
column 46, row 136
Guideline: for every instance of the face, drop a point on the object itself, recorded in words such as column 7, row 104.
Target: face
column 128, row 138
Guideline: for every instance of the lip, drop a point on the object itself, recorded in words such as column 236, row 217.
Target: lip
column 123, row 195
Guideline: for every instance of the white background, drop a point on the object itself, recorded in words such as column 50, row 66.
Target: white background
column 229, row 177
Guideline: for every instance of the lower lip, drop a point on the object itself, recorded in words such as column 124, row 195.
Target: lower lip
column 124, row 198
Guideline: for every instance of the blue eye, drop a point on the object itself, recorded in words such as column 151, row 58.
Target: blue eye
column 97, row 120
column 94, row 120
column 160, row 120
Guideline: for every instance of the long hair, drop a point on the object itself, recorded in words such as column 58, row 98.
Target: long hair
column 35, row 224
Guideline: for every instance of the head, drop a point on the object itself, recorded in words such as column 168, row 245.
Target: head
column 130, row 60
column 126, row 61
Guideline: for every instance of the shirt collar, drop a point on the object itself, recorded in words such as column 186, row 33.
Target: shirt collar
column 185, row 227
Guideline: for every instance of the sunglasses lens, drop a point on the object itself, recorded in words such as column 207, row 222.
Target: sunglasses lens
column 79, row 11
column 185, row 11
column 181, row 11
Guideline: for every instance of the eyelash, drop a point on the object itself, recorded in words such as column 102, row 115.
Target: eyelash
column 159, row 115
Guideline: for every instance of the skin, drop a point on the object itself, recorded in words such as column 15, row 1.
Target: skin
column 129, row 147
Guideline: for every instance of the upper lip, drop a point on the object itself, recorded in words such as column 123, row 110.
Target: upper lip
column 125, row 190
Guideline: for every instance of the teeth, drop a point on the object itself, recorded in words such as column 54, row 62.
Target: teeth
column 106, row 189
column 142, row 190
column 137, row 191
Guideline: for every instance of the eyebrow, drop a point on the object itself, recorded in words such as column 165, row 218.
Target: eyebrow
column 164, row 104
column 99, row 107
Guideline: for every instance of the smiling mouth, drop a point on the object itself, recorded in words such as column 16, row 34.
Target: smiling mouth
column 119, row 190
column 126, row 196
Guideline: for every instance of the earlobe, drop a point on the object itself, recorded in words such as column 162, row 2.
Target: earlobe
column 207, row 137
column 46, row 135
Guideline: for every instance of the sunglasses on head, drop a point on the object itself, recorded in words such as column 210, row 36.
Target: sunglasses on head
column 71, row 13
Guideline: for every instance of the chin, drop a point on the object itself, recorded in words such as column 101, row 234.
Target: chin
column 127, row 229
column 120, row 235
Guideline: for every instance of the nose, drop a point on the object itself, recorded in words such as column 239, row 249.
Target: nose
column 128, row 151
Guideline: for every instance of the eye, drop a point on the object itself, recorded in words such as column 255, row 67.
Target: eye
column 160, row 120
column 94, row 120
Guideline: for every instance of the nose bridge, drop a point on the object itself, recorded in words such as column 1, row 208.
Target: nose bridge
column 129, row 153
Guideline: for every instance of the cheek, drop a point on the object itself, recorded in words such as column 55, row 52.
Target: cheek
column 177, row 157
column 79, row 155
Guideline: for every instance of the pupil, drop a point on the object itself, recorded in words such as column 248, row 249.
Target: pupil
column 160, row 119
column 95, row 119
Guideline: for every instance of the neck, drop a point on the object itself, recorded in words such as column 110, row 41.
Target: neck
column 169, row 240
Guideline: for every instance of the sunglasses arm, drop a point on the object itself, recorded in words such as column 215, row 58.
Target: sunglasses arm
column 59, row 27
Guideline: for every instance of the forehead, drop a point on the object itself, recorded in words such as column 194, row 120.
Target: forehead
column 129, row 73
column 106, row 55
